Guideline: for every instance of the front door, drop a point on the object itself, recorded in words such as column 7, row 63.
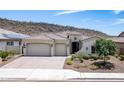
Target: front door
column 75, row 47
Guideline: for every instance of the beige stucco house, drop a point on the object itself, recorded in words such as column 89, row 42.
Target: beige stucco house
column 63, row 44
column 58, row 44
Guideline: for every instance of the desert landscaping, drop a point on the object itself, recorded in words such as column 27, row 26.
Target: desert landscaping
column 86, row 65
column 105, row 59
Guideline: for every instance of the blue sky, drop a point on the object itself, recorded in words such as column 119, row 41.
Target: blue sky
column 107, row 21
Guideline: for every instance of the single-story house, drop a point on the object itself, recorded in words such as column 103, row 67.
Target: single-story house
column 64, row 43
column 59, row 44
column 11, row 41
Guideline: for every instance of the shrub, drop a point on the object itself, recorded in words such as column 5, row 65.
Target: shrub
column 80, row 56
column 73, row 56
column 4, row 55
column 86, row 57
column 12, row 53
column 69, row 61
column 104, row 65
column 81, row 60
column 94, row 67
column 94, row 57
column 122, row 57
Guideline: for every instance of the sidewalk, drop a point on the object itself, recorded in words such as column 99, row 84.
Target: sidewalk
column 56, row 75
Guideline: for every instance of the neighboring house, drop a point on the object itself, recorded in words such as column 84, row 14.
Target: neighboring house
column 11, row 41
column 119, row 41
column 121, row 34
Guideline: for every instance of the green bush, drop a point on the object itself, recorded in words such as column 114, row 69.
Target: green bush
column 4, row 55
column 104, row 65
column 81, row 60
column 122, row 57
column 93, row 67
column 80, row 56
column 73, row 56
column 86, row 57
column 94, row 56
column 12, row 53
column 69, row 61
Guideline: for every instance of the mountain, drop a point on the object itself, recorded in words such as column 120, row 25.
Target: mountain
column 33, row 28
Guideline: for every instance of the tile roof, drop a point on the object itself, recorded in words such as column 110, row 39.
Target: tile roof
column 117, row 39
column 41, row 36
column 55, row 36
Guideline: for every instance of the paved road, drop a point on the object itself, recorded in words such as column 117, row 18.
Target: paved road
column 37, row 62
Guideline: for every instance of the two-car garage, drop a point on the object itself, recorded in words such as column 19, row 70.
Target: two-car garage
column 41, row 49
column 45, row 46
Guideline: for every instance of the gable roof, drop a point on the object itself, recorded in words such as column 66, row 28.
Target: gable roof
column 91, row 37
column 55, row 36
column 41, row 36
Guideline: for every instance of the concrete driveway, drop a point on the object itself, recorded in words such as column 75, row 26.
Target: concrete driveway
column 37, row 62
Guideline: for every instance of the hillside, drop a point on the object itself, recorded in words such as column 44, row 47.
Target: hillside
column 32, row 28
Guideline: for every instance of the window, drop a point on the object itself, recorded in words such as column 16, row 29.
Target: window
column 10, row 43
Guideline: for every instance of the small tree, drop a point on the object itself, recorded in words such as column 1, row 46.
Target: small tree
column 4, row 55
column 105, row 47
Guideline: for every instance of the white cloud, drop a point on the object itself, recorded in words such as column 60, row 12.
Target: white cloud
column 68, row 12
column 118, row 11
column 119, row 21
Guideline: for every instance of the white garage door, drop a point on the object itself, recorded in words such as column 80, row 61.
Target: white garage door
column 38, row 49
column 60, row 50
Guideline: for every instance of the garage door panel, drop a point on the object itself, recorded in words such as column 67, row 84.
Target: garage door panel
column 60, row 49
column 38, row 49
